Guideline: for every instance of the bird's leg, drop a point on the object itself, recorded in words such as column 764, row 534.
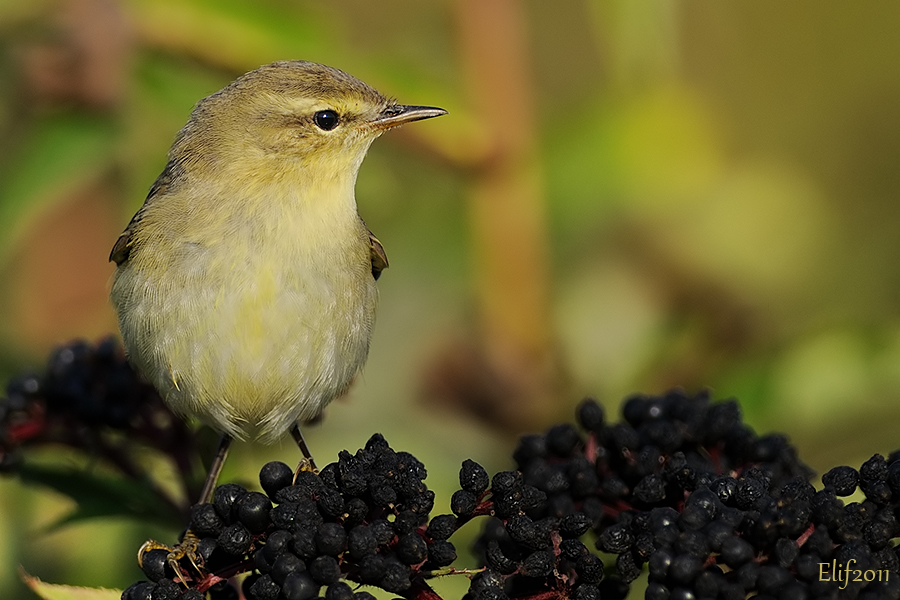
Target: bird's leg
column 307, row 463
column 187, row 547
column 215, row 469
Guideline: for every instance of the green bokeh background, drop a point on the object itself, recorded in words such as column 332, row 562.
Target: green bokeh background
column 718, row 184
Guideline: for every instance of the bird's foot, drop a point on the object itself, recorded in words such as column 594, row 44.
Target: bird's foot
column 186, row 548
column 305, row 465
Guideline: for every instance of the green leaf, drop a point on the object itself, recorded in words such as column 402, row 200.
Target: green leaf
column 50, row 591
column 101, row 496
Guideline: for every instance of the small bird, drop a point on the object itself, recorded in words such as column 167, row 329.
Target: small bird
column 245, row 284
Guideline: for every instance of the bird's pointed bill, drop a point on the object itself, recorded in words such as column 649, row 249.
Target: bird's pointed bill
column 398, row 114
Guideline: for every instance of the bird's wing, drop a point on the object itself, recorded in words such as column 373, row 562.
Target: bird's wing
column 378, row 255
column 122, row 247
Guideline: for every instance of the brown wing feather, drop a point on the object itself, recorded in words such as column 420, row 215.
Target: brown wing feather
column 379, row 256
column 122, row 247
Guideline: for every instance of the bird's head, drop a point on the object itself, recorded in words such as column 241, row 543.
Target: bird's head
column 291, row 114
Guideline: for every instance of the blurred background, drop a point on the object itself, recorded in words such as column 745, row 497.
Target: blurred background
column 624, row 197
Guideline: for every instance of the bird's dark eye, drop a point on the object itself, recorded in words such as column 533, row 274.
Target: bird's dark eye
column 326, row 119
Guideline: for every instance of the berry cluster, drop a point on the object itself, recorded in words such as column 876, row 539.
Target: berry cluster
column 685, row 487
column 682, row 488
column 89, row 399
column 86, row 389
column 362, row 519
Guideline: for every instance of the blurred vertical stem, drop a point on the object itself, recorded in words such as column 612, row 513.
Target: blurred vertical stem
column 506, row 208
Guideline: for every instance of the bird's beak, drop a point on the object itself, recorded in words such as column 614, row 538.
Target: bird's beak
column 398, row 114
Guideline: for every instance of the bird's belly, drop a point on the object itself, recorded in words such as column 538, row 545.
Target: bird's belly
column 251, row 350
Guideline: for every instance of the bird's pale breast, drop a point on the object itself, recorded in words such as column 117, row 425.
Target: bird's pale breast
column 256, row 328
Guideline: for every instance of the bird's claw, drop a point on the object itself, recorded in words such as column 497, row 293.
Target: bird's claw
column 305, row 465
column 186, row 548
